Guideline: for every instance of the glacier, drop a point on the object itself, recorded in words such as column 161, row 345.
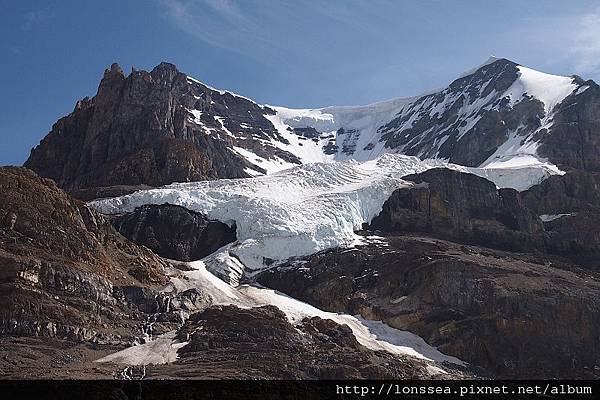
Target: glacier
column 301, row 210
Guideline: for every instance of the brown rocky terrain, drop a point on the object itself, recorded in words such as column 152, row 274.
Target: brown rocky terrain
column 40, row 220
column 73, row 290
column 65, row 272
column 225, row 342
column 516, row 315
column 259, row 343
column 26, row 357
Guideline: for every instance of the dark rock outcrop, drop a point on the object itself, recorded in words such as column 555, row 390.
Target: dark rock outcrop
column 461, row 207
column 103, row 192
column 570, row 206
column 559, row 216
column 575, row 191
column 174, row 232
column 516, row 315
column 575, row 236
column 574, row 139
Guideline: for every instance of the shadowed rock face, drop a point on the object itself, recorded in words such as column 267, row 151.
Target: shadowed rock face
column 573, row 192
column 230, row 342
column 124, row 135
column 574, row 139
column 174, row 232
column 571, row 204
column 516, row 315
column 468, row 209
column 461, row 207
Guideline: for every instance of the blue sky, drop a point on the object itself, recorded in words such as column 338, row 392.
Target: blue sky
column 297, row 53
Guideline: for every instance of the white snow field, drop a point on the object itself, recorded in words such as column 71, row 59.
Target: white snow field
column 550, row 90
column 373, row 335
column 301, row 210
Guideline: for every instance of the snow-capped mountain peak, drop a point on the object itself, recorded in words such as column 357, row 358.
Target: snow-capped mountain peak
column 499, row 114
column 475, row 121
column 491, row 59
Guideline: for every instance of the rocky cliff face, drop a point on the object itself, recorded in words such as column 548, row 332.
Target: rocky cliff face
column 149, row 128
column 557, row 216
column 174, row 232
column 37, row 219
column 570, row 207
column 493, row 309
column 573, row 192
column 574, row 139
column 461, row 207
column 72, row 289
column 65, row 271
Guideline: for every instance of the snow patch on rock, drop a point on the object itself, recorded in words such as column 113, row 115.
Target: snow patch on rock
column 373, row 335
column 549, row 89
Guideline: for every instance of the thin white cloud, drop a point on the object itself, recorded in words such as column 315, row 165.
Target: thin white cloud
column 218, row 22
column 226, row 8
column 276, row 31
column 373, row 58
column 566, row 43
column 585, row 48
column 31, row 19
